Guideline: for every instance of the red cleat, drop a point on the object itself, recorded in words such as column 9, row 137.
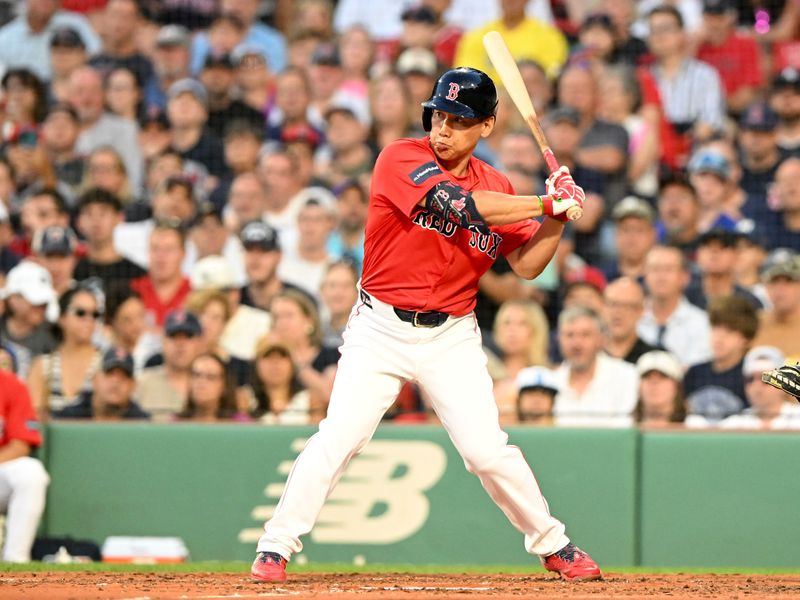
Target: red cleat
column 573, row 564
column 268, row 566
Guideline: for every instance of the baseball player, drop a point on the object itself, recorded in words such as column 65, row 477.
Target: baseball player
column 438, row 217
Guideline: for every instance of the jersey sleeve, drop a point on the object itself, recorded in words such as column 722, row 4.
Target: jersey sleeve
column 21, row 422
column 404, row 172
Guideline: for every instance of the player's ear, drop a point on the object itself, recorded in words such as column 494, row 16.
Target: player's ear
column 487, row 126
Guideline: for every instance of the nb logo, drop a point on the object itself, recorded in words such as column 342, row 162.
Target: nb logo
column 452, row 94
column 380, row 499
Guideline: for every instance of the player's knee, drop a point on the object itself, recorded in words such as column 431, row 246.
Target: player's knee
column 31, row 476
column 480, row 462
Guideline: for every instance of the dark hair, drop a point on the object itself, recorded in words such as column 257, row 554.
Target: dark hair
column 263, row 403
column 64, row 302
column 227, row 401
column 27, row 78
column 240, row 128
column 117, row 294
column 686, row 264
column 734, row 313
column 98, row 196
column 56, row 196
column 170, row 225
column 667, row 9
column 678, row 414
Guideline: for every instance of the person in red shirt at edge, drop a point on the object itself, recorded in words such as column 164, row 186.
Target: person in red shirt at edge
column 438, row 217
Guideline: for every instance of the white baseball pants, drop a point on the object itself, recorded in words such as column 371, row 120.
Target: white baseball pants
column 379, row 353
column 23, row 487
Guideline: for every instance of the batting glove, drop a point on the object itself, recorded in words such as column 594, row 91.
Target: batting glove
column 556, row 207
column 561, row 184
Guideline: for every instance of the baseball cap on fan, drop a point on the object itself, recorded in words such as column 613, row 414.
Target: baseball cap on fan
column 762, row 358
column 717, row 7
column 257, row 235
column 213, row 273
column 631, row 206
column 759, row 117
column 182, row 322
column 54, row 241
column 170, row 36
column 117, row 358
column 537, row 378
column 417, row 61
column 33, row 282
column 661, row 362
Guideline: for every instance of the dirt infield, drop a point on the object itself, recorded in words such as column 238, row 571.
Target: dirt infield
column 173, row 586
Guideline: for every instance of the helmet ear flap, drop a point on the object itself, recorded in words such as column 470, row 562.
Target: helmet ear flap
column 427, row 115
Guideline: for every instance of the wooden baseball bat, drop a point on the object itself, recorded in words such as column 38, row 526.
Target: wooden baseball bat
column 507, row 69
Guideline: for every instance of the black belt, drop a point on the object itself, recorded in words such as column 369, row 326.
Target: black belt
column 417, row 319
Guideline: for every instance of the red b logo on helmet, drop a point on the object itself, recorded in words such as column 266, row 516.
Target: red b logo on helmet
column 452, row 94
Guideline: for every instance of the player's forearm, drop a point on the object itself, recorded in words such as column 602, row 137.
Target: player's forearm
column 497, row 208
column 532, row 257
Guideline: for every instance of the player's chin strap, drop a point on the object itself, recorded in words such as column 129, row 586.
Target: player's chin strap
column 454, row 204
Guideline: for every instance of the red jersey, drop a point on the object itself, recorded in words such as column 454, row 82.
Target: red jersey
column 738, row 62
column 17, row 418
column 411, row 259
column 154, row 305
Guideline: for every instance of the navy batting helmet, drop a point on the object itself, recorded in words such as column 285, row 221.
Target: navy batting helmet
column 465, row 92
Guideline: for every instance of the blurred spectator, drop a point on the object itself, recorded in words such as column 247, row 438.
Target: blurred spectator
column 55, row 249
column 390, row 107
column 212, row 392
column 315, row 16
column 418, row 29
column 715, row 389
column 784, row 99
column 670, row 320
column 162, row 390
column 121, row 23
column 254, row 80
column 627, row 47
column 57, row 379
column 678, row 214
column 711, row 176
column 278, row 395
column 521, row 334
column 101, row 128
column 717, row 254
column 170, row 64
column 99, row 213
column 7, row 258
column 539, row 85
column 661, row 401
column 584, row 287
column 25, row 98
column 295, row 323
column 173, row 203
column 325, row 77
column 380, row 17
column 587, row 374
column 446, row 33
column 225, row 32
column 346, row 241
column 155, row 138
column 105, row 170
column 67, row 53
column 751, row 254
column 347, row 154
column 126, row 318
column 8, row 361
column 8, row 186
column 164, row 288
column 24, row 41
column 33, row 172
column 596, row 39
column 262, row 254
column 526, row 37
column 357, row 54
column 187, row 110
column 781, row 228
column 770, row 408
column 736, row 56
column 30, row 301
column 691, row 92
column 218, row 79
column 419, row 71
column 60, row 131
column 621, row 102
column 123, row 91
column 277, row 170
column 110, row 396
column 339, row 293
column 292, row 102
column 300, row 47
column 624, row 306
column 247, row 201
column 635, row 230
column 258, row 34
column 537, row 388
column 209, row 237
column 760, row 156
column 23, row 480
column 306, row 258
column 780, row 326
column 43, row 208
column 241, row 144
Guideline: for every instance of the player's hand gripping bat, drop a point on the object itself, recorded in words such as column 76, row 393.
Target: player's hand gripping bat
column 507, row 69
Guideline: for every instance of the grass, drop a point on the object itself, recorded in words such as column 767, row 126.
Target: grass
column 243, row 567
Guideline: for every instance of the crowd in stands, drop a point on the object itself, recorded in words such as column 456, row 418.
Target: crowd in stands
column 184, row 189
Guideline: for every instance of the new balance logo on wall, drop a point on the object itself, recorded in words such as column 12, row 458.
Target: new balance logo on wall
column 379, row 500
